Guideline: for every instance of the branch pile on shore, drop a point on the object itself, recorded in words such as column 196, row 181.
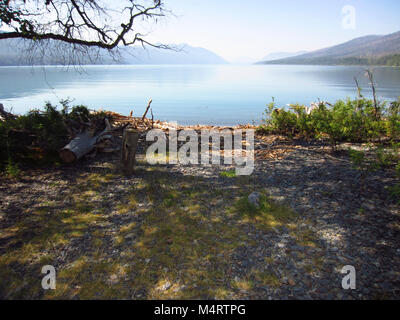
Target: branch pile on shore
column 71, row 133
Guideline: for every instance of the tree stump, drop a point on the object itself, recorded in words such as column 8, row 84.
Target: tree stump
column 129, row 145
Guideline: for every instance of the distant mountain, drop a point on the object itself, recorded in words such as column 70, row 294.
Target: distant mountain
column 368, row 50
column 18, row 52
column 281, row 55
column 185, row 54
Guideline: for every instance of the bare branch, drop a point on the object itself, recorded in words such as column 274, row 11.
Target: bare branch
column 89, row 23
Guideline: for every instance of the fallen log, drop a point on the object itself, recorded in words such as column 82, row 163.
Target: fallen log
column 82, row 144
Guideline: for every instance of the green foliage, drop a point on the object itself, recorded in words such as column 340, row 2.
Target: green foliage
column 393, row 120
column 357, row 120
column 304, row 122
column 387, row 60
column 12, row 169
column 37, row 136
column 228, row 174
column 47, row 126
column 357, row 158
column 280, row 121
column 387, row 157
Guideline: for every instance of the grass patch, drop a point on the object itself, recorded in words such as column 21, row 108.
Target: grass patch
column 130, row 206
column 194, row 246
column 177, row 241
column 267, row 279
column 268, row 215
column 228, row 174
column 127, row 228
column 245, row 285
column 12, row 169
column 33, row 240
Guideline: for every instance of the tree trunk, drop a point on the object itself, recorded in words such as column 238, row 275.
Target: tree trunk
column 82, row 144
column 129, row 144
column 78, row 147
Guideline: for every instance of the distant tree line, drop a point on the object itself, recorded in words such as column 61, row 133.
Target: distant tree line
column 388, row 60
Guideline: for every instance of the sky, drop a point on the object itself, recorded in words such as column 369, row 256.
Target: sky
column 247, row 30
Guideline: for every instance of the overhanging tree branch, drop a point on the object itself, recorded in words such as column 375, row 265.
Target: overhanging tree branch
column 92, row 23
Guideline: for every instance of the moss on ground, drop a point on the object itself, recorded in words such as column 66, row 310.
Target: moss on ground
column 163, row 239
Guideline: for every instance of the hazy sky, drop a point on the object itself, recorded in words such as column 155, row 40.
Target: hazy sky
column 250, row 29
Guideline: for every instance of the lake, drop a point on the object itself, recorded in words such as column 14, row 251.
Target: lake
column 190, row 94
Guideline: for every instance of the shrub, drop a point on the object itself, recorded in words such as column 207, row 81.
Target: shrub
column 393, row 120
column 38, row 135
column 304, row 121
column 281, row 121
column 346, row 121
column 12, row 169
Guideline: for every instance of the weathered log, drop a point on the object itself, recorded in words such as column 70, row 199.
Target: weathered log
column 129, row 145
column 82, row 144
column 78, row 147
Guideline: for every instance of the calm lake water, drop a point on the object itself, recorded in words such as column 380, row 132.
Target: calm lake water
column 223, row 94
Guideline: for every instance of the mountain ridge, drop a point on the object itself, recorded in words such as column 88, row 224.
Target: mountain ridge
column 369, row 50
column 16, row 52
column 282, row 55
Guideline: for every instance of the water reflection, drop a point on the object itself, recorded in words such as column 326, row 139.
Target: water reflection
column 223, row 94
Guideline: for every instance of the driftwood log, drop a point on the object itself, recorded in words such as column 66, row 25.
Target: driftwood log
column 129, row 145
column 82, row 144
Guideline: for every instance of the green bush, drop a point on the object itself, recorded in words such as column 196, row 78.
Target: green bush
column 357, row 120
column 37, row 136
column 393, row 120
column 304, row 122
column 12, row 169
column 280, row 121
